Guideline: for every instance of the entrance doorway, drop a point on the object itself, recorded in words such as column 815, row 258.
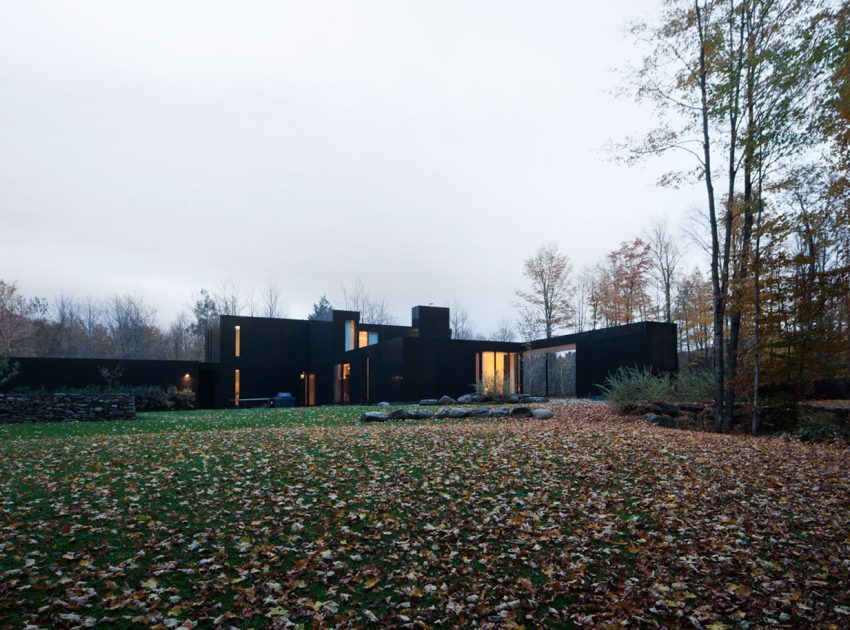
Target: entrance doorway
column 309, row 389
column 343, row 379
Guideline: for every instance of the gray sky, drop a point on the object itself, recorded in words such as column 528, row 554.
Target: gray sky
column 423, row 147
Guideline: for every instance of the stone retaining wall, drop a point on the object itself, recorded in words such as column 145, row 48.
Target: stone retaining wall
column 65, row 407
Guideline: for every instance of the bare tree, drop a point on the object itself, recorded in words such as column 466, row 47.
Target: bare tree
column 179, row 340
column 373, row 310
column 131, row 324
column 460, row 323
column 504, row 331
column 528, row 325
column 273, row 305
column 548, row 270
column 229, row 299
column 665, row 257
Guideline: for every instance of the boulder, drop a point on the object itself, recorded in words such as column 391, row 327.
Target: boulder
column 446, row 400
column 419, row 414
column 457, row 412
column 429, row 402
column 481, row 398
column 509, row 398
column 521, row 412
column 383, row 404
column 500, row 411
column 542, row 414
column 399, row 414
column 648, row 409
column 534, row 399
column 660, row 420
column 465, row 399
column 374, row 416
column 480, row 412
column 442, row 412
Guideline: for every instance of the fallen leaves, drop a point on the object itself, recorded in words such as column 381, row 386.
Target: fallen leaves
column 582, row 520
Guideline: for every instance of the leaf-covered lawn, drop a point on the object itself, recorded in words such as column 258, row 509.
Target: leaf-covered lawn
column 585, row 519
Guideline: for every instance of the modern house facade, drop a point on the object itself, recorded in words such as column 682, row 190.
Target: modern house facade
column 340, row 360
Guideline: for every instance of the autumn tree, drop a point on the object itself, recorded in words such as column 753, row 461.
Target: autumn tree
column 625, row 282
column 18, row 315
column 733, row 83
column 548, row 298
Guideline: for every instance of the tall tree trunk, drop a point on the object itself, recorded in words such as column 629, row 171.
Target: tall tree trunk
column 756, row 421
column 712, row 215
column 746, row 233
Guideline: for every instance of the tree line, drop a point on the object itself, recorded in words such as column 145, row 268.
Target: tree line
column 126, row 326
column 756, row 94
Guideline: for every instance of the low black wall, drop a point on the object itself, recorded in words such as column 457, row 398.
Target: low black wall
column 56, row 374
column 65, row 407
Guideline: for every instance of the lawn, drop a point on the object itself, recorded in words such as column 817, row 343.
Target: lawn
column 303, row 517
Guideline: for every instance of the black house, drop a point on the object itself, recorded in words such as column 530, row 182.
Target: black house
column 339, row 360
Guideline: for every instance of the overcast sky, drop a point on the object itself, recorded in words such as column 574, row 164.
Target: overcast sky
column 424, row 147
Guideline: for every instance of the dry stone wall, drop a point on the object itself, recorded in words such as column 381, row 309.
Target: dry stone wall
column 65, row 407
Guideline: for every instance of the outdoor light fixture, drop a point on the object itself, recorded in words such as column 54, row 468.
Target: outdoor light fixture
column 187, row 376
column 302, row 376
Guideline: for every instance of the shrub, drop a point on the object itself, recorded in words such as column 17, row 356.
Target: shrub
column 628, row 386
column 491, row 387
column 695, row 385
column 819, row 430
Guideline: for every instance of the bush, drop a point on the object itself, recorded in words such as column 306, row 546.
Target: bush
column 821, row 431
column 492, row 387
column 695, row 385
column 628, row 386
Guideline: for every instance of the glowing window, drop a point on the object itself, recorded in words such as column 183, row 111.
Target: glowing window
column 238, row 350
column 498, row 372
column 236, row 387
column 366, row 338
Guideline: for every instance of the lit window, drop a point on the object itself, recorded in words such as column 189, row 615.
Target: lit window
column 349, row 335
column 236, row 387
column 498, row 372
column 366, row 338
column 238, row 349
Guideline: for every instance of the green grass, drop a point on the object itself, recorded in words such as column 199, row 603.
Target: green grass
column 180, row 421
column 253, row 517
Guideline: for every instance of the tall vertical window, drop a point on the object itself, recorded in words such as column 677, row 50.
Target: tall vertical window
column 237, row 351
column 236, row 387
column 497, row 373
column 349, row 334
column 341, row 385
